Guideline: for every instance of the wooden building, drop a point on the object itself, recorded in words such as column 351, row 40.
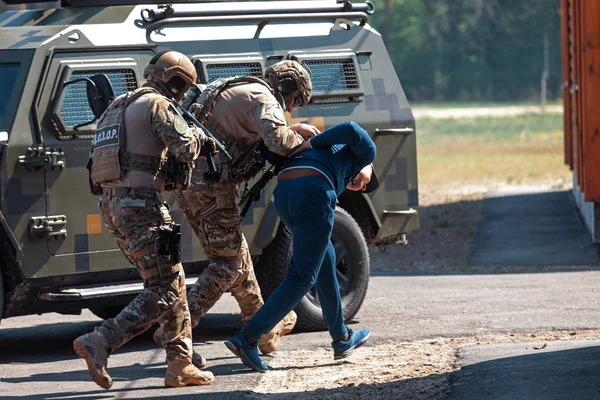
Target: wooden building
column 581, row 93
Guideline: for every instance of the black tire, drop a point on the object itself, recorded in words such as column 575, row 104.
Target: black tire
column 107, row 312
column 352, row 262
column 1, row 296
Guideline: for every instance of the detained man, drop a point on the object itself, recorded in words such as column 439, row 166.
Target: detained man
column 312, row 178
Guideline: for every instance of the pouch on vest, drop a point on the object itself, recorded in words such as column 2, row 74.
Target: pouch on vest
column 109, row 156
column 246, row 160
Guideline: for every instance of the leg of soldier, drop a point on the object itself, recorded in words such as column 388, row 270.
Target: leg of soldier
column 219, row 232
column 245, row 289
column 136, row 218
column 221, row 272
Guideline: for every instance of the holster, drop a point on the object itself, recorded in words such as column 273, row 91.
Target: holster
column 170, row 244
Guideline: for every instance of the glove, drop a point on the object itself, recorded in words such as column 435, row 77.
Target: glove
column 210, row 143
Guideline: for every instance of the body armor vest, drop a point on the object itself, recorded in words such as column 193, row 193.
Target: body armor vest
column 109, row 158
column 246, row 159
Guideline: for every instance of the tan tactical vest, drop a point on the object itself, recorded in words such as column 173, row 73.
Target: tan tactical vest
column 109, row 157
column 246, row 159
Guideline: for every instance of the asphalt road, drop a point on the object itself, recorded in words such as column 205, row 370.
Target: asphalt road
column 37, row 361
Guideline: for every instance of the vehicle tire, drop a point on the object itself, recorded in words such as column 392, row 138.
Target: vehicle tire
column 352, row 265
column 1, row 296
column 107, row 312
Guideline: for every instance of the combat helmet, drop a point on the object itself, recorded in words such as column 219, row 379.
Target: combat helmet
column 287, row 76
column 171, row 71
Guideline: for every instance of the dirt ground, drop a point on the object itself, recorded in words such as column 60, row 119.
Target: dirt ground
column 449, row 218
column 445, row 239
column 415, row 369
column 394, row 370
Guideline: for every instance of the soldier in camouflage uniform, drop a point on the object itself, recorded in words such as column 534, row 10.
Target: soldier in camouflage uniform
column 128, row 167
column 243, row 113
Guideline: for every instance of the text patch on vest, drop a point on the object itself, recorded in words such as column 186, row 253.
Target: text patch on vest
column 107, row 136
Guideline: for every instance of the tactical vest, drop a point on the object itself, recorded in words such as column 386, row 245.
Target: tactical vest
column 109, row 158
column 246, row 159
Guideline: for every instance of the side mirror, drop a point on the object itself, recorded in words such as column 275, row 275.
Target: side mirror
column 99, row 92
column 3, row 138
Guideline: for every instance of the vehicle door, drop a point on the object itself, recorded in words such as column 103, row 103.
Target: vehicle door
column 78, row 241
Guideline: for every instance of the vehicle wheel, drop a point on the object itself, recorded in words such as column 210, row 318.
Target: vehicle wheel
column 353, row 266
column 1, row 296
column 107, row 312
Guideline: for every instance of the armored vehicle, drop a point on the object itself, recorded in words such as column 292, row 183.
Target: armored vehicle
column 56, row 256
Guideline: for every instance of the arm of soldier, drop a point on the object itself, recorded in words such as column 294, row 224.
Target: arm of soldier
column 272, row 126
column 183, row 142
column 305, row 130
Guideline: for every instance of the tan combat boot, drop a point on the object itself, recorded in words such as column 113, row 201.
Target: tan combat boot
column 197, row 359
column 94, row 350
column 182, row 373
column 269, row 342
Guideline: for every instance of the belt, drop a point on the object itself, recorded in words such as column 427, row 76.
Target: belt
column 298, row 172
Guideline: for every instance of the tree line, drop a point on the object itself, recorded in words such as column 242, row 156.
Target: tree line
column 472, row 50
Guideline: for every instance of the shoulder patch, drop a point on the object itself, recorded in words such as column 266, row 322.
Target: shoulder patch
column 180, row 125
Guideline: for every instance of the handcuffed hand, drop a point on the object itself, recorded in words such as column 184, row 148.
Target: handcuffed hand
column 305, row 130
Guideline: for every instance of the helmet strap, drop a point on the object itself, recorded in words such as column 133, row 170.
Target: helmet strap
column 280, row 99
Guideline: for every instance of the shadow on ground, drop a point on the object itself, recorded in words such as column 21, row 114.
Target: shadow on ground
column 550, row 375
column 518, row 233
column 53, row 342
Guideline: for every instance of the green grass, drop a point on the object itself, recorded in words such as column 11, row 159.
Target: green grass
column 509, row 127
column 472, row 104
column 520, row 149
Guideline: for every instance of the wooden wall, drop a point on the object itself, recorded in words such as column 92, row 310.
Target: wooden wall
column 581, row 92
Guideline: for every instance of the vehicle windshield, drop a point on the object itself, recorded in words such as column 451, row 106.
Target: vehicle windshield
column 8, row 77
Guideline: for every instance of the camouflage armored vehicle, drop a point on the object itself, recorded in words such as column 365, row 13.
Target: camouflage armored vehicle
column 56, row 256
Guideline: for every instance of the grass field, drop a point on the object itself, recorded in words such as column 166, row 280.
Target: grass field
column 473, row 104
column 524, row 149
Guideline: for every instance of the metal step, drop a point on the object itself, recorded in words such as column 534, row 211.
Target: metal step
column 87, row 292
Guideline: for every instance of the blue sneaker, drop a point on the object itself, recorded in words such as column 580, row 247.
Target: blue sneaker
column 343, row 348
column 246, row 352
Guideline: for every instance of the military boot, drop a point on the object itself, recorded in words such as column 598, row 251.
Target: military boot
column 94, row 349
column 197, row 359
column 269, row 342
column 182, row 373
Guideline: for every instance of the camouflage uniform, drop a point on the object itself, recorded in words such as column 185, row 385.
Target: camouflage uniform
column 133, row 212
column 129, row 168
column 247, row 112
column 133, row 216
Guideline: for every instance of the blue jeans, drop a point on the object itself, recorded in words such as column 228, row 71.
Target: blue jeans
column 307, row 207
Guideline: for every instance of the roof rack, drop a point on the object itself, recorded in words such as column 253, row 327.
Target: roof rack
column 258, row 17
column 166, row 15
column 342, row 5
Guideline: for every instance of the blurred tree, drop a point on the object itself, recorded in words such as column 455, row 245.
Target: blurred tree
column 471, row 50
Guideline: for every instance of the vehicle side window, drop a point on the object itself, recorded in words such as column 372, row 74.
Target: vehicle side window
column 210, row 68
column 73, row 109
column 215, row 71
column 334, row 76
